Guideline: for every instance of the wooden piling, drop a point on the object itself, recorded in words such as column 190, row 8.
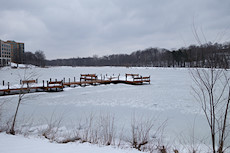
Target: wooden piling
column 74, row 80
column 48, row 85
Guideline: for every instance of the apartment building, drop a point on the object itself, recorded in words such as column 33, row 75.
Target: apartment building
column 5, row 53
column 17, row 51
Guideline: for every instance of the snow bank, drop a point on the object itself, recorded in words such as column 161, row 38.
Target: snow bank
column 20, row 144
column 14, row 65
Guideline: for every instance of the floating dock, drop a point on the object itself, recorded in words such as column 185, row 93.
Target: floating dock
column 30, row 86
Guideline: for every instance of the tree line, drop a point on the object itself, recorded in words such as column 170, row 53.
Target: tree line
column 38, row 58
column 206, row 55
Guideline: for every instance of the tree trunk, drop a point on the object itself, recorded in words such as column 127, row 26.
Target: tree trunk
column 15, row 115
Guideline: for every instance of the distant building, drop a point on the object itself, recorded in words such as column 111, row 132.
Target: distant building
column 17, row 51
column 5, row 53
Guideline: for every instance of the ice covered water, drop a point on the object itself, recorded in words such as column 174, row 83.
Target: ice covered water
column 168, row 97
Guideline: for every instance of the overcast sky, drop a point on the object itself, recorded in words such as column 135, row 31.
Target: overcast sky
column 80, row 28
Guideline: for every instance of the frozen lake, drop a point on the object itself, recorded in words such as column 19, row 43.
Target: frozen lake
column 168, row 97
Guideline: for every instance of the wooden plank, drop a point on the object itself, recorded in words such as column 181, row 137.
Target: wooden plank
column 28, row 81
column 55, row 82
column 137, row 78
column 132, row 75
column 54, row 87
column 89, row 79
column 89, row 75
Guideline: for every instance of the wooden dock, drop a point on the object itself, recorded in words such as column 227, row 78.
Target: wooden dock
column 29, row 86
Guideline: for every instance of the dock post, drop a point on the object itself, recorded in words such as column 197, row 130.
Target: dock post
column 3, row 82
column 28, row 89
column 20, row 81
column 43, row 82
column 50, row 80
column 47, row 85
column 64, row 80
column 74, row 80
column 62, row 85
column 8, row 87
column 149, row 79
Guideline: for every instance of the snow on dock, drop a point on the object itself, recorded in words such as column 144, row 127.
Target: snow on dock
column 29, row 86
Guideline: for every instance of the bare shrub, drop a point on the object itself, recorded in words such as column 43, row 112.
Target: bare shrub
column 87, row 132
column 121, row 137
column 53, row 126
column 189, row 142
column 106, row 129
column 97, row 130
column 1, row 110
column 26, row 122
column 6, row 124
column 144, row 134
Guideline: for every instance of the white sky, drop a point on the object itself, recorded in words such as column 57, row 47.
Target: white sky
column 79, row 28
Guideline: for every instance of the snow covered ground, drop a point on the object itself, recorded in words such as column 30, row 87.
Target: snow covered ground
column 168, row 97
column 20, row 144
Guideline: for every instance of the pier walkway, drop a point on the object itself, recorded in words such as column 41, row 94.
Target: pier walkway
column 30, row 86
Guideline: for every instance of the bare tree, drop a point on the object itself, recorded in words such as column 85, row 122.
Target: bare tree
column 212, row 91
column 26, row 76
